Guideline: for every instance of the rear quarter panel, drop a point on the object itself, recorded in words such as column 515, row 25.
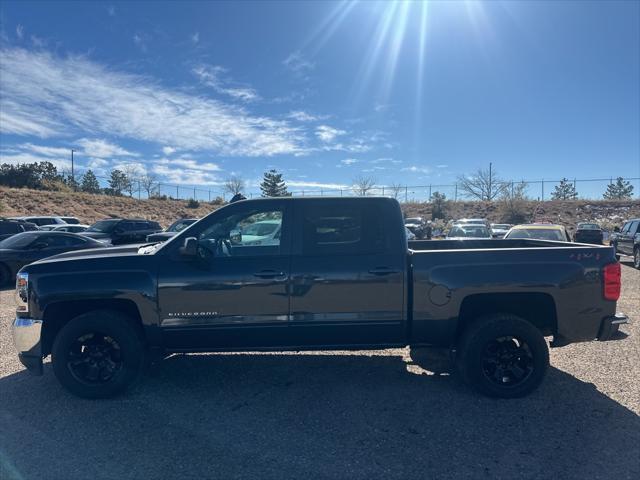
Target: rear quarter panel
column 571, row 276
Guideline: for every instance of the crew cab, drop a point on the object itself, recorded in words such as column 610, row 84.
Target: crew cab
column 338, row 275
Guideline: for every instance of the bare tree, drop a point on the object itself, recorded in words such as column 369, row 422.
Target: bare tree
column 149, row 183
column 395, row 189
column 233, row 185
column 132, row 173
column 362, row 185
column 484, row 184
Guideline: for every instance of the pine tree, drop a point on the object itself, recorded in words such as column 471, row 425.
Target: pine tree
column 118, row 182
column 273, row 185
column 90, row 183
column 620, row 190
column 565, row 190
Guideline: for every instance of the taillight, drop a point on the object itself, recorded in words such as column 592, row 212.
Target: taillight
column 611, row 281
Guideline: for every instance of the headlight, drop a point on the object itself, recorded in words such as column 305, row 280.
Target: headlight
column 22, row 292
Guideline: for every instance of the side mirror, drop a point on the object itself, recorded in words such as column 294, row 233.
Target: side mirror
column 190, row 247
column 616, row 229
column 235, row 236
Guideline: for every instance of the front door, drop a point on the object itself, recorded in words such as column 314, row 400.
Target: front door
column 234, row 292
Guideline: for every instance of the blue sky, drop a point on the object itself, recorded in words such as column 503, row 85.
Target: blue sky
column 325, row 92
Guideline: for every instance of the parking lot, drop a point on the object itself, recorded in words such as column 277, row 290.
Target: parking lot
column 329, row 415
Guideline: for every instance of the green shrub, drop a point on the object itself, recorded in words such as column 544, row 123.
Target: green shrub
column 193, row 203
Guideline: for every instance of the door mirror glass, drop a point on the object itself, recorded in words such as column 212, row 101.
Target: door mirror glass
column 235, row 236
column 190, row 247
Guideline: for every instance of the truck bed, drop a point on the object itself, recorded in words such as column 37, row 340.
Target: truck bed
column 452, row 279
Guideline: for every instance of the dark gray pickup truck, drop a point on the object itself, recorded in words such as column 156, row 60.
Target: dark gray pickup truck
column 314, row 273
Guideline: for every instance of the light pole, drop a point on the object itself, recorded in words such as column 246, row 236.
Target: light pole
column 73, row 177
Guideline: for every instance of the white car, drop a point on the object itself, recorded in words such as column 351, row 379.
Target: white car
column 499, row 230
column 265, row 232
column 75, row 228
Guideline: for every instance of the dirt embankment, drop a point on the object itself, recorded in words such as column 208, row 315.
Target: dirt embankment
column 89, row 208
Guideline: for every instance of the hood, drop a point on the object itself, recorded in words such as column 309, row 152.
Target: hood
column 93, row 252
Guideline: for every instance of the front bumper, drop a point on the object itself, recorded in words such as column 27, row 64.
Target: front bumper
column 610, row 325
column 26, row 338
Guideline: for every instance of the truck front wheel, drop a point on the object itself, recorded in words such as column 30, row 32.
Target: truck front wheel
column 502, row 355
column 98, row 354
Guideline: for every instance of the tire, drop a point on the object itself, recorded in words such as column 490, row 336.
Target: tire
column 636, row 257
column 98, row 354
column 502, row 355
column 5, row 275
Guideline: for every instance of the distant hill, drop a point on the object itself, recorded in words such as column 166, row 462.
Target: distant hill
column 89, row 208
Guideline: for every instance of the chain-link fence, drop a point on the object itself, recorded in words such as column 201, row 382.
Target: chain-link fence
column 542, row 189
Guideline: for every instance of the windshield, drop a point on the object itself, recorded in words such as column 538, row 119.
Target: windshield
column 537, row 234
column 473, row 231
column 588, row 226
column 260, row 229
column 103, row 226
column 500, row 226
column 19, row 240
column 180, row 225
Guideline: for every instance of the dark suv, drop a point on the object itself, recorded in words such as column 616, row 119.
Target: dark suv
column 9, row 227
column 627, row 240
column 119, row 231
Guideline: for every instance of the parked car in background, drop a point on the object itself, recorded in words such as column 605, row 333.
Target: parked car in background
column 120, row 231
column 174, row 228
column 43, row 220
column 418, row 227
column 588, row 233
column 24, row 248
column 466, row 232
column 499, row 230
column 9, row 227
column 71, row 220
column 262, row 232
column 540, row 231
column 473, row 221
column 627, row 240
column 71, row 228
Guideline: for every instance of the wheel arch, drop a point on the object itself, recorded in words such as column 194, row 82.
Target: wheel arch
column 537, row 308
column 57, row 315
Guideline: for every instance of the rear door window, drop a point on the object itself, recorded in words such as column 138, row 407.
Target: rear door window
column 340, row 229
column 633, row 229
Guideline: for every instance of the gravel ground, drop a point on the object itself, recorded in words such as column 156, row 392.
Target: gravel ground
column 329, row 415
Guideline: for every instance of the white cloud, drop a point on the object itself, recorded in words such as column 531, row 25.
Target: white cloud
column 49, row 96
column 298, row 64
column 211, row 76
column 318, row 185
column 111, row 10
column 386, row 160
column 101, row 148
column 60, row 162
column 141, row 40
column 190, row 164
column 327, row 133
column 348, row 161
column 417, row 169
column 97, row 163
column 168, row 150
column 20, row 31
column 442, row 166
column 195, row 37
column 302, row 116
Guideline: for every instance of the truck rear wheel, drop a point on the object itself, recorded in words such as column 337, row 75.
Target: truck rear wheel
column 98, row 354
column 502, row 355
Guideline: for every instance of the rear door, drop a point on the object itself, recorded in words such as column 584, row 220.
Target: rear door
column 628, row 237
column 347, row 273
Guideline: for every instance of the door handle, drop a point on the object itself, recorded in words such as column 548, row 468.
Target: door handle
column 268, row 274
column 382, row 271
